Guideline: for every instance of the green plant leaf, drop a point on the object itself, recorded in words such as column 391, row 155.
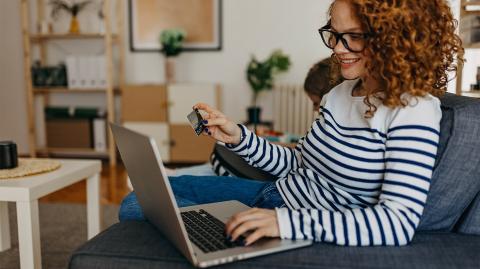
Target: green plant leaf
column 171, row 40
column 260, row 75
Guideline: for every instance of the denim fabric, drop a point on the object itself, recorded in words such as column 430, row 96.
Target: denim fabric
column 193, row 190
column 456, row 176
column 130, row 208
column 135, row 244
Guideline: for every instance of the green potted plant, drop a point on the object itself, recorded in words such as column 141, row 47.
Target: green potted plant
column 260, row 76
column 71, row 8
column 171, row 41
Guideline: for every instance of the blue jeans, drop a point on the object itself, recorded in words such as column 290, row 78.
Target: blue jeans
column 194, row 190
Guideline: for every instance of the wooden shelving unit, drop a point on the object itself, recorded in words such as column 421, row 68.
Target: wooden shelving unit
column 43, row 37
column 465, row 10
column 76, row 91
column 108, row 38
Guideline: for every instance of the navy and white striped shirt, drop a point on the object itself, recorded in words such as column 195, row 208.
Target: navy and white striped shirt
column 353, row 180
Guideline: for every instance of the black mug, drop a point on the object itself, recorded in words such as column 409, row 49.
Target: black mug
column 8, row 155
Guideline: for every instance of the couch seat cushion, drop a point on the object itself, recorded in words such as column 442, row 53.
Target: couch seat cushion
column 133, row 244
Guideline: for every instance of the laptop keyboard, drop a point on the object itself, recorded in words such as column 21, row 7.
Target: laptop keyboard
column 207, row 232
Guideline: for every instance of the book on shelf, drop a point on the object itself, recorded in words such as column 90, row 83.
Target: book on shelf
column 100, row 134
column 86, row 72
column 71, row 63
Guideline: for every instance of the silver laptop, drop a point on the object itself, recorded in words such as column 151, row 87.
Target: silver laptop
column 197, row 231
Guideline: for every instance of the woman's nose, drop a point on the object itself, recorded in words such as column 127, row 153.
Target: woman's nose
column 340, row 48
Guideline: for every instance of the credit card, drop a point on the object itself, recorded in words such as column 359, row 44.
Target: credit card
column 195, row 119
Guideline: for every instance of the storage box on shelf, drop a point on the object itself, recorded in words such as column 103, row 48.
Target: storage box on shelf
column 40, row 41
column 160, row 111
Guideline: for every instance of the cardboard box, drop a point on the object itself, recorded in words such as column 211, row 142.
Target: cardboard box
column 145, row 103
column 69, row 133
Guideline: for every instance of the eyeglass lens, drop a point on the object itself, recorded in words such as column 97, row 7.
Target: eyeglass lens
column 351, row 41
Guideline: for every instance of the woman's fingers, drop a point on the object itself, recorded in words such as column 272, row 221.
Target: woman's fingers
column 210, row 130
column 248, row 226
column 238, row 218
column 263, row 222
column 253, row 237
column 215, row 121
column 207, row 108
column 242, row 217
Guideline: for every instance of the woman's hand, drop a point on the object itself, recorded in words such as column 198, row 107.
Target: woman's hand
column 218, row 126
column 262, row 223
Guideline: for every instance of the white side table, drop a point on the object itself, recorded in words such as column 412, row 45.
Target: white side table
column 26, row 191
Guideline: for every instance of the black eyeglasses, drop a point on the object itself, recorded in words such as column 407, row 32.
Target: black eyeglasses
column 354, row 42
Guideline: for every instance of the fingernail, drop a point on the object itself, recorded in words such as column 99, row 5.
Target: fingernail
column 205, row 121
column 209, row 133
column 206, row 130
column 229, row 238
column 243, row 242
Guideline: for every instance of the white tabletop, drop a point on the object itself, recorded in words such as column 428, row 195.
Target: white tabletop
column 35, row 186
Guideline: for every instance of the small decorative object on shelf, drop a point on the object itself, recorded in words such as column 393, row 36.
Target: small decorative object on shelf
column 260, row 76
column 171, row 40
column 8, row 155
column 72, row 8
column 49, row 76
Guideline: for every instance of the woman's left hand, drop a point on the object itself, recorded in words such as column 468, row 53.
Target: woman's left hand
column 263, row 222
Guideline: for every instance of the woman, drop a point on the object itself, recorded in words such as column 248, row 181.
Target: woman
column 361, row 175
column 321, row 78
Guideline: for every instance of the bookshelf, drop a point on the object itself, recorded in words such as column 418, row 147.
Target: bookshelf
column 109, row 40
column 43, row 37
column 49, row 90
column 467, row 8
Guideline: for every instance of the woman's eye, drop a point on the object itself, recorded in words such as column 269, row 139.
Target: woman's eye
column 355, row 37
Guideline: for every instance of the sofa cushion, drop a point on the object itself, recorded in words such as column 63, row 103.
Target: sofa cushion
column 456, row 176
column 133, row 244
column 469, row 223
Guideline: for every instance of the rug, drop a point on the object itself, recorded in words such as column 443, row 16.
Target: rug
column 63, row 228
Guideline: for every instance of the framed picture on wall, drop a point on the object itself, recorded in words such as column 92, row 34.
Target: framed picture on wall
column 201, row 20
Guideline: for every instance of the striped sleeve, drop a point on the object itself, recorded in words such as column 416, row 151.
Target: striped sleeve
column 411, row 147
column 260, row 153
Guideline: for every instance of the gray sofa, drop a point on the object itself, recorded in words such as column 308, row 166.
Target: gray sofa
column 452, row 211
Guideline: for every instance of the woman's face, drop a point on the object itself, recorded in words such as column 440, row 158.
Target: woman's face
column 343, row 20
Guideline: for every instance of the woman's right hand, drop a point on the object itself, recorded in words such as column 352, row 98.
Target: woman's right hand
column 218, row 125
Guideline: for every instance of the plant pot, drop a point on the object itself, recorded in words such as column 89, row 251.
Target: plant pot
column 74, row 26
column 254, row 114
column 169, row 70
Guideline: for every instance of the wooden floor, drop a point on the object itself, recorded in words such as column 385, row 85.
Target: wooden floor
column 113, row 188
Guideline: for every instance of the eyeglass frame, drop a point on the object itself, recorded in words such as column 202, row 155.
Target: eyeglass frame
column 339, row 36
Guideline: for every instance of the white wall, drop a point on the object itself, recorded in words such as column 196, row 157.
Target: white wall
column 249, row 27
column 13, row 108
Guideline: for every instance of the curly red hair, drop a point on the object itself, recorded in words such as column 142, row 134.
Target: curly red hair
column 413, row 48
